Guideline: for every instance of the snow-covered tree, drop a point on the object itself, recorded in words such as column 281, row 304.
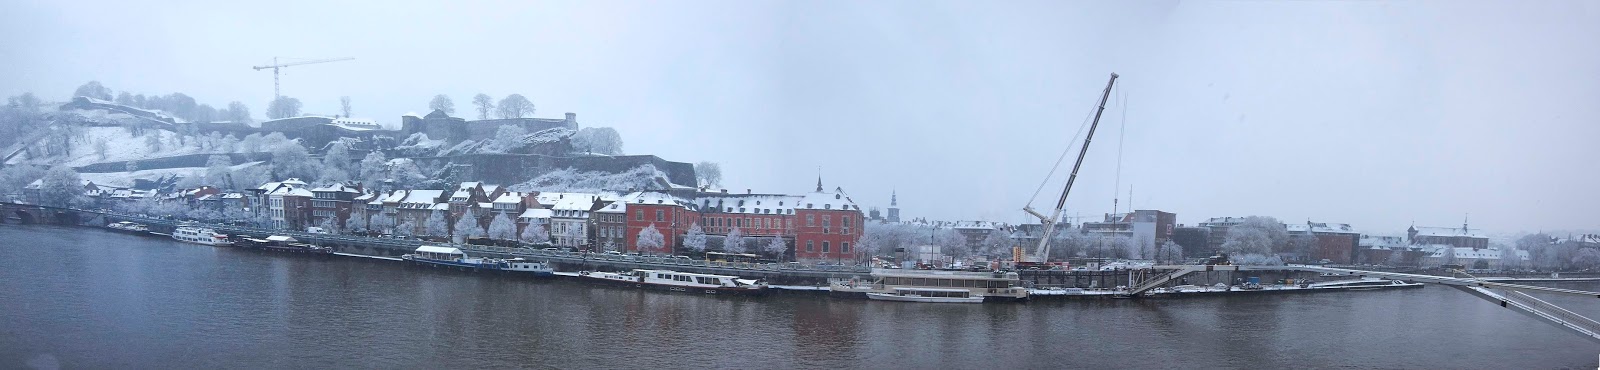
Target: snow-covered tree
column 695, row 239
column 1396, row 257
column 93, row 89
column 502, row 227
column 442, row 102
column 1170, row 253
column 734, row 241
column 152, row 141
column 950, row 242
column 381, row 223
column 535, row 233
column 406, row 228
column 515, row 106
column 436, row 225
column 61, row 187
column 708, row 173
column 374, row 169
column 338, row 156
column 229, row 144
column 576, row 236
column 1256, row 259
column 484, row 105
column 329, row 225
column 237, row 112
column 1256, row 235
column 356, row 223
column 506, row 138
column 218, row 167
column 776, row 247
column 1509, row 259
column 1447, row 255
column 650, row 240
column 283, row 107
column 601, row 140
column 292, row 161
column 1586, row 258
column 344, row 105
column 251, row 143
column 997, row 243
column 467, row 227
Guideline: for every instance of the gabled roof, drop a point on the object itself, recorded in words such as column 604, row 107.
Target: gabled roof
column 836, row 200
column 291, row 191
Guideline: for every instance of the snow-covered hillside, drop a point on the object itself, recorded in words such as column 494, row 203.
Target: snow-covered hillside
column 120, row 145
column 570, row 180
column 125, row 179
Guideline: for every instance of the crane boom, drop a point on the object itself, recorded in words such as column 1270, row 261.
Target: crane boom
column 275, row 66
column 1042, row 252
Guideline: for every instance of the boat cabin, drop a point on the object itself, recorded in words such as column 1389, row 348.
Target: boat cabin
column 439, row 253
column 932, row 292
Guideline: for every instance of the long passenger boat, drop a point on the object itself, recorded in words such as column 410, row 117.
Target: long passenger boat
column 676, row 281
column 200, row 235
column 450, row 257
column 887, row 284
column 282, row 244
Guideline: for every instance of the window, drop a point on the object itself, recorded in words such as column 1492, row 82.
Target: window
column 661, row 216
column 810, row 246
column 844, row 247
column 824, row 247
column 811, row 220
column 638, row 215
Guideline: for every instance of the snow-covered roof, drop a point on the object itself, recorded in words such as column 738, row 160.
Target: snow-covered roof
column 490, row 189
column 614, row 207
column 836, row 199
column 396, row 196
column 290, row 191
column 441, row 206
column 1447, row 231
column 1325, row 227
column 509, row 197
column 652, row 197
column 536, row 213
column 356, row 124
column 434, row 249
column 985, row 225
column 485, row 204
column 335, row 188
column 751, row 203
column 366, row 197
column 423, row 199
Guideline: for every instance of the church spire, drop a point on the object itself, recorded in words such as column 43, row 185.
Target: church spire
column 893, row 198
column 819, row 182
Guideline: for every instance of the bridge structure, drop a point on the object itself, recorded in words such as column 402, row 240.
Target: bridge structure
column 1507, row 295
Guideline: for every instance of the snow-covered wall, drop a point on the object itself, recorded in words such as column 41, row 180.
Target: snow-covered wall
column 518, row 168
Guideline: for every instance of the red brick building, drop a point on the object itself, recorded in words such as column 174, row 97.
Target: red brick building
column 818, row 226
column 1336, row 243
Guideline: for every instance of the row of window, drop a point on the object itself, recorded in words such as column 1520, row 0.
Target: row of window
column 844, row 247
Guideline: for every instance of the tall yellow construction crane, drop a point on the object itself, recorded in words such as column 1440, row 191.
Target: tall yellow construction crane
column 275, row 66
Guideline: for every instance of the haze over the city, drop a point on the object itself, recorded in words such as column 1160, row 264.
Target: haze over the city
column 1376, row 114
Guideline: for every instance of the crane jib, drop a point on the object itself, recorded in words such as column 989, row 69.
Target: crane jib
column 1043, row 251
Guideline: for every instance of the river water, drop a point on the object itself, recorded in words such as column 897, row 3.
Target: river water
column 86, row 298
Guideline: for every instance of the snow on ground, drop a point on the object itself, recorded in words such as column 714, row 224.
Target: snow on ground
column 125, row 179
column 120, row 147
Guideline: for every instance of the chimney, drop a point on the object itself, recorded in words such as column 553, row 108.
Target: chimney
column 724, row 191
column 747, row 191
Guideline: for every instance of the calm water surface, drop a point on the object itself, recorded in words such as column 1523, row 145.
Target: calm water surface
column 85, row 298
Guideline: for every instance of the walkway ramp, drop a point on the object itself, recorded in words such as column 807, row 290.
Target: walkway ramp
column 1539, row 309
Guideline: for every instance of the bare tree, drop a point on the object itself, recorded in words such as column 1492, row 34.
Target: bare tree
column 515, row 106
column 344, row 105
column 709, row 173
column 283, row 107
column 93, row 89
column 237, row 112
column 484, row 104
column 442, row 102
column 602, row 140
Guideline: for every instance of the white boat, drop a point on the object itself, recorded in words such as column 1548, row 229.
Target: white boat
column 519, row 265
column 129, row 227
column 927, row 295
column 429, row 255
column 200, row 235
column 675, row 281
column 992, row 286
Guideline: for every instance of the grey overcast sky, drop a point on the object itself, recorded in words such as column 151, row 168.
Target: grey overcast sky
column 1372, row 113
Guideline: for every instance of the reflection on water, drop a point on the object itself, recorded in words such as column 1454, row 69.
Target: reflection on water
column 82, row 298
